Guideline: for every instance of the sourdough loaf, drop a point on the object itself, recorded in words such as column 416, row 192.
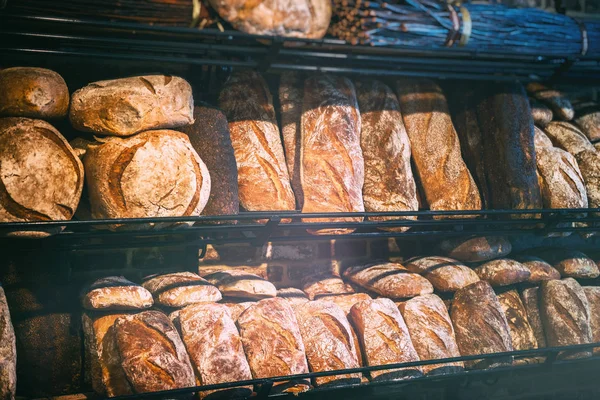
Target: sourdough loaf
column 116, row 293
column 540, row 269
column 503, row 272
column 8, row 352
column 123, row 107
column 568, row 137
column 530, row 298
column 239, row 284
column 542, row 114
column 572, row 263
column 521, row 332
column 592, row 293
column 476, row 249
column 319, row 285
column 181, row 289
column 587, row 118
column 445, row 274
column 560, row 105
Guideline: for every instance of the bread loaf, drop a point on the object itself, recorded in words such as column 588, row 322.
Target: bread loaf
column 568, row 137
column 328, row 341
column 41, row 178
column 540, row 139
column 151, row 174
column 431, row 332
column 592, row 293
column 215, row 347
column 560, row 105
column 542, row 115
column 480, row 325
column 116, row 293
column 476, row 249
column 445, row 274
column 319, row 285
column 123, row 107
column 572, row 263
column 152, row 353
column 389, row 183
column 502, row 272
column 209, row 136
column 389, row 280
column 540, row 270
column 530, row 298
column 8, row 352
column 384, row 338
column 521, row 332
column 589, row 165
column 565, row 313
column 446, row 181
column 346, row 301
column 232, row 283
column 181, row 289
column 273, row 343
column 332, row 167
column 33, row 92
column 587, row 118
column 236, row 309
column 295, row 297
column 263, row 180
column 288, row 18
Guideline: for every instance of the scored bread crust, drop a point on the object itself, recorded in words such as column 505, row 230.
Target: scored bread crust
column 530, row 298
column 521, row 332
column 180, row 289
column 445, row 274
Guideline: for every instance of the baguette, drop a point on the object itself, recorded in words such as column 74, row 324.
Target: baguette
column 8, row 352
column 116, row 293
column 445, row 274
column 560, row 105
column 503, row 272
column 530, row 298
column 181, row 289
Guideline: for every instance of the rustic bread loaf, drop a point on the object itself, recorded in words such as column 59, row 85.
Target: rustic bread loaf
column 530, row 298
column 540, row 269
column 116, row 293
column 384, row 338
column 33, row 92
column 431, row 332
column 108, row 376
column 328, row 341
column 152, row 353
column 41, row 178
column 152, row 174
column 295, row 297
column 480, row 325
column 181, row 289
column 210, row 138
column 289, row 18
column 587, row 118
column 236, row 309
column 542, row 114
column 8, row 352
column 332, row 166
column 572, row 263
column 565, row 313
column 80, row 146
column 389, row 183
column 540, row 139
column 592, row 293
column 568, row 137
column 476, row 249
column 389, row 280
column 263, row 180
column 589, row 165
column 273, row 343
column 239, row 284
column 445, row 179
column 503, row 272
column 521, row 332
column 215, row 348
column 319, row 285
column 560, row 105
column 445, row 274
column 123, row 107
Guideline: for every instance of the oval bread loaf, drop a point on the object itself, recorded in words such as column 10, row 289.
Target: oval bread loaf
column 521, row 332
column 587, row 118
column 181, row 289
column 502, row 272
column 572, row 263
column 445, row 274
column 116, row 293
column 540, row 269
column 560, row 105
column 542, row 115
column 476, row 249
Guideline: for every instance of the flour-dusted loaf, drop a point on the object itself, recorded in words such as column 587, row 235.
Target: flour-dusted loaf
column 239, row 284
column 542, row 114
column 530, row 299
column 540, row 269
column 263, row 180
column 565, row 313
column 389, row 183
column 152, row 353
column 389, row 280
column 123, row 107
column 152, row 174
column 332, row 164
column 273, row 343
column 445, row 274
column 431, row 332
column 295, row 297
column 560, row 104
column 33, row 92
column 480, row 325
column 503, row 272
column 236, row 309
column 592, row 293
column 568, row 137
column 587, row 118
column 180, row 289
column 116, row 293
column 8, row 352
column 41, row 177
column 209, row 136
column 215, row 347
column 319, row 285
column 384, row 338
column 521, row 332
column 443, row 175
column 476, row 249
column 328, row 341
column 572, row 263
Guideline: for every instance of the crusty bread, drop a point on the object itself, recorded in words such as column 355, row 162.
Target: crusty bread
column 502, row 272
column 8, row 352
column 592, row 293
column 540, row 269
column 123, row 107
column 33, row 92
column 568, row 137
column 476, row 249
column 542, row 114
column 181, row 289
column 319, row 285
column 560, row 105
column 293, row 296
column 239, row 284
column 445, row 274
column 521, row 332
column 587, row 118
column 116, row 293
column 572, row 263
column 530, row 298
column 236, row 309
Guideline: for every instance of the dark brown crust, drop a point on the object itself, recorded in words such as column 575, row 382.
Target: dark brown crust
column 8, row 352
column 521, row 332
column 541, row 114
column 559, row 103
column 530, row 298
column 476, row 249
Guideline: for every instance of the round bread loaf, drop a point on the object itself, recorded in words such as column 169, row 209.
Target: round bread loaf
column 123, row 107
column 41, row 178
column 290, row 18
column 33, row 92
column 152, row 174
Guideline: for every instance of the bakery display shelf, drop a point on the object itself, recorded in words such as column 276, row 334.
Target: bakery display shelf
column 547, row 359
column 257, row 228
column 129, row 41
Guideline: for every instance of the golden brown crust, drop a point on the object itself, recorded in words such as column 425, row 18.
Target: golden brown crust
column 239, row 284
column 530, row 298
column 476, row 249
column 116, row 293
column 502, row 272
column 8, row 352
column 560, row 104
column 445, row 274
column 592, row 293
column 521, row 332
column 572, row 263
column 540, row 269
column 181, row 289
column 568, row 137
column 236, row 309
column 587, row 118
column 316, row 286
column 295, row 297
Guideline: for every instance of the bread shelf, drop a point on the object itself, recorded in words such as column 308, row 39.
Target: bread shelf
column 138, row 42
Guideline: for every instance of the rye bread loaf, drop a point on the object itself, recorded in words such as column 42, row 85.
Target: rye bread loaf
column 442, row 173
column 116, row 293
column 332, row 165
column 503, row 272
column 295, row 297
column 8, row 352
column 41, row 177
column 239, row 284
column 480, row 325
column 152, row 174
column 572, row 263
column 476, row 249
column 209, row 136
column 181, row 289
column 587, row 118
column 389, row 183
column 542, row 114
column 540, row 269
column 445, row 274
column 431, row 332
column 521, row 332
column 530, row 298
column 560, row 104
column 592, row 293
column 263, row 180
column 33, row 92
column 123, row 107
column 319, row 285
